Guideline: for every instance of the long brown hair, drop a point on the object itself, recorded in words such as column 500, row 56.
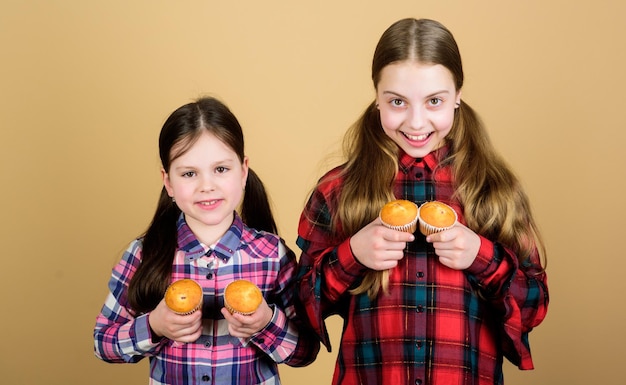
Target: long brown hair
column 493, row 200
column 180, row 131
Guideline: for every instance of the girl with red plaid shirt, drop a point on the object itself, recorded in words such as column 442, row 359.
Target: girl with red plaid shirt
column 439, row 309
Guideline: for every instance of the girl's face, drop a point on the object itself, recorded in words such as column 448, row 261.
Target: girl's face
column 207, row 183
column 417, row 103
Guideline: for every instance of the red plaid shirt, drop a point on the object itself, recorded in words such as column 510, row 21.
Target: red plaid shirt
column 437, row 325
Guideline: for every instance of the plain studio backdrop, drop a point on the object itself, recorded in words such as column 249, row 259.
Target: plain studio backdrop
column 86, row 85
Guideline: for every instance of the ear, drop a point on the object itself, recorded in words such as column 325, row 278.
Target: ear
column 166, row 183
column 458, row 98
column 244, row 172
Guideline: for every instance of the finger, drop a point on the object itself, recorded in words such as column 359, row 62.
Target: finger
column 386, row 264
column 192, row 328
column 442, row 236
column 243, row 319
column 398, row 236
column 441, row 246
column 231, row 318
column 395, row 255
column 394, row 250
column 225, row 313
column 183, row 334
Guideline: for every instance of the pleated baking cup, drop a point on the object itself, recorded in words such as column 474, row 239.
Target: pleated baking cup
column 427, row 229
column 408, row 228
column 191, row 311
column 232, row 310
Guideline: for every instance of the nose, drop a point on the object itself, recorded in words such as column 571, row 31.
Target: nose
column 416, row 118
column 207, row 183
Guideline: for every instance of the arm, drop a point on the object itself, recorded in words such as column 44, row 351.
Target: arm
column 519, row 291
column 332, row 265
column 327, row 270
column 286, row 339
column 118, row 335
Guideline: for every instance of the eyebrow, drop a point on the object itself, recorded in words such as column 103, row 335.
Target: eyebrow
column 427, row 96
column 222, row 162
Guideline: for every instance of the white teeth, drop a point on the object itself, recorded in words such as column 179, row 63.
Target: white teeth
column 416, row 137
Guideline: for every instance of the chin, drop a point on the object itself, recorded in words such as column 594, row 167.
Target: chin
column 418, row 153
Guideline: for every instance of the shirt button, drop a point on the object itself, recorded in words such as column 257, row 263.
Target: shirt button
column 206, row 377
column 419, row 175
column 209, row 276
column 419, row 309
column 207, row 344
column 420, row 274
column 418, row 382
column 418, row 344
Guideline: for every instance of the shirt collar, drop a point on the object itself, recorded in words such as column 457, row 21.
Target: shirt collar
column 431, row 160
column 224, row 248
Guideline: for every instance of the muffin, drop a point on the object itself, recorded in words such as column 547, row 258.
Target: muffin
column 400, row 215
column 242, row 296
column 436, row 216
column 184, row 296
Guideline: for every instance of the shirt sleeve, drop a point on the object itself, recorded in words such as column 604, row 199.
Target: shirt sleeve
column 286, row 338
column 518, row 290
column 326, row 271
column 118, row 335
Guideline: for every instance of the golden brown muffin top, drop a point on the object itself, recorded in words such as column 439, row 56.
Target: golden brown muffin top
column 183, row 295
column 398, row 212
column 437, row 214
column 242, row 296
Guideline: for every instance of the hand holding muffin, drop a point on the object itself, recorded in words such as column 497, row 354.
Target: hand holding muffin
column 456, row 248
column 380, row 247
column 245, row 309
column 177, row 316
column 456, row 245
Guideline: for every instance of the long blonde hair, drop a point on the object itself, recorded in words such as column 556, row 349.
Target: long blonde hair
column 492, row 198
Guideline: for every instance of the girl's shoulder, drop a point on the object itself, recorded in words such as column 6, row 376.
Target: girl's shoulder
column 130, row 260
column 263, row 243
column 331, row 183
column 251, row 235
column 333, row 175
column 134, row 249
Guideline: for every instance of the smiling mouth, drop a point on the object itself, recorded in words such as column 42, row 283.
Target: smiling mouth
column 417, row 138
column 207, row 203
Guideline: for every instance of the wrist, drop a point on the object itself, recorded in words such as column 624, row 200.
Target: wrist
column 154, row 336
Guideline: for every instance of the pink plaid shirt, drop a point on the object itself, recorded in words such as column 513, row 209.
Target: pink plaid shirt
column 216, row 357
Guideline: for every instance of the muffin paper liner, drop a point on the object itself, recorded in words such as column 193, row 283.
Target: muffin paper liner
column 408, row 228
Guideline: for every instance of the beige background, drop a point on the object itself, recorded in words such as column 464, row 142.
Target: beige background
column 86, row 85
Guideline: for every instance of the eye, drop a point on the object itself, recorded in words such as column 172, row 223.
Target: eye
column 221, row 169
column 188, row 174
column 435, row 101
column 397, row 102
